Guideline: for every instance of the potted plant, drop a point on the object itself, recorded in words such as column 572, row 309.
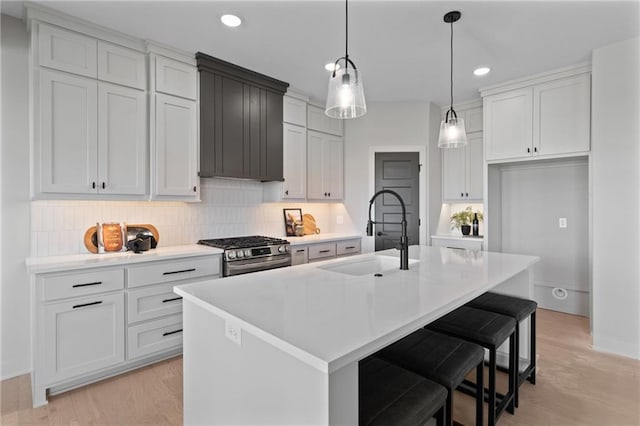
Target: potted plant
column 463, row 219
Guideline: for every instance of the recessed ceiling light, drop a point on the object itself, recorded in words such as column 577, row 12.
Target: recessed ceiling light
column 481, row 71
column 231, row 20
column 331, row 65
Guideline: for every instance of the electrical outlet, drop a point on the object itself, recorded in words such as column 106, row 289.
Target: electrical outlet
column 339, row 220
column 233, row 332
column 562, row 222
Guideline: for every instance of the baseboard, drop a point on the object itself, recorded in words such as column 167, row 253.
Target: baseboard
column 616, row 347
column 14, row 374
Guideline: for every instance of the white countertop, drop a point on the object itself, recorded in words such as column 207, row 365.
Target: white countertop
column 39, row 265
column 321, row 238
column 329, row 319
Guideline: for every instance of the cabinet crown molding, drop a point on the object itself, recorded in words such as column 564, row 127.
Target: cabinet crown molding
column 227, row 69
column 531, row 80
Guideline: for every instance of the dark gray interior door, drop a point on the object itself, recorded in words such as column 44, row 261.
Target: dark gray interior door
column 397, row 171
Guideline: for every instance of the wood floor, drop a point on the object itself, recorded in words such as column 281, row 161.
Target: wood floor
column 575, row 386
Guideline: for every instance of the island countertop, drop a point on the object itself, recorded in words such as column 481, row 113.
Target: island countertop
column 328, row 319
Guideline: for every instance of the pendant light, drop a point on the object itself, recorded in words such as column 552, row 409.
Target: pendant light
column 346, row 95
column 452, row 132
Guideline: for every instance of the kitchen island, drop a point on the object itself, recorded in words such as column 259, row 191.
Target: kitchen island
column 282, row 346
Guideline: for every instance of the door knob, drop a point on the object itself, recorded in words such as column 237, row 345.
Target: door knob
column 380, row 234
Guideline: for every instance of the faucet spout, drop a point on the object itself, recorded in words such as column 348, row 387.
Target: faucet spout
column 404, row 241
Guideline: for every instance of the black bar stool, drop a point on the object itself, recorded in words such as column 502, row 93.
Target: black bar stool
column 518, row 309
column 489, row 330
column 444, row 359
column 391, row 395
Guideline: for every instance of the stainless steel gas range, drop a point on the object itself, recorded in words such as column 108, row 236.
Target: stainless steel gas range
column 251, row 253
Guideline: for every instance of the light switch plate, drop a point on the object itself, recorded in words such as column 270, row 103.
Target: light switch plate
column 233, row 332
column 562, row 222
column 339, row 220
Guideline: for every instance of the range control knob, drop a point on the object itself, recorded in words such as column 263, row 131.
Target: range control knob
column 247, row 253
column 239, row 254
column 282, row 249
column 231, row 255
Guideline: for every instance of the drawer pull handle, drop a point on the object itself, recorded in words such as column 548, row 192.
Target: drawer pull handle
column 300, row 251
column 324, row 251
column 84, row 285
column 455, row 248
column 171, row 332
column 179, row 272
column 87, row 304
column 350, row 247
column 171, row 300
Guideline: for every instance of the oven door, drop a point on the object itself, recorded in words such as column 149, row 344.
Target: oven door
column 238, row 267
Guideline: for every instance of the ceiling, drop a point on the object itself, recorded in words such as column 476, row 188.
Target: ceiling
column 401, row 47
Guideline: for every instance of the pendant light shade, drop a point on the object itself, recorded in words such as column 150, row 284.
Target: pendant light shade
column 452, row 131
column 345, row 98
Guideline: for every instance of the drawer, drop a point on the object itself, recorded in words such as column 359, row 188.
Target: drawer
column 345, row 248
column 154, row 336
column 299, row 255
column 63, row 285
column 172, row 270
column 457, row 243
column 152, row 302
column 322, row 251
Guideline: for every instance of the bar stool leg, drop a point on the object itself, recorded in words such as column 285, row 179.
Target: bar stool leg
column 448, row 416
column 517, row 375
column 479, row 393
column 532, row 376
column 440, row 421
column 492, row 386
column 513, row 375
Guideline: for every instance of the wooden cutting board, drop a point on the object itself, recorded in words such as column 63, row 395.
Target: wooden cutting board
column 91, row 239
column 309, row 223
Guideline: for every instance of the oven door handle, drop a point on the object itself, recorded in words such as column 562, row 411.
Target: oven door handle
column 244, row 267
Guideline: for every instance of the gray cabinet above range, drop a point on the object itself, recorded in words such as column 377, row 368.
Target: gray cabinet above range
column 240, row 122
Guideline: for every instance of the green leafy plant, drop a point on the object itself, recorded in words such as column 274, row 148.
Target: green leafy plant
column 465, row 217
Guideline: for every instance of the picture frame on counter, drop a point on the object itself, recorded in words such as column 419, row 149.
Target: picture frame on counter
column 292, row 217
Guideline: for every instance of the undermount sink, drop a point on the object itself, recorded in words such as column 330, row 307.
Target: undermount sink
column 371, row 265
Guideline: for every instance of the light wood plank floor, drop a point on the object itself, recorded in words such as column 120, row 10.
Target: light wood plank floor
column 575, row 386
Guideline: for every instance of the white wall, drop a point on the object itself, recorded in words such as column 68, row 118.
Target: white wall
column 14, row 288
column 385, row 126
column 616, row 198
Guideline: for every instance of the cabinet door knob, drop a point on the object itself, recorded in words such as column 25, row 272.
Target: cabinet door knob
column 93, row 185
column 462, row 194
column 535, row 149
column 329, row 194
column 286, row 192
column 194, row 189
column 325, row 194
column 529, row 150
column 103, row 185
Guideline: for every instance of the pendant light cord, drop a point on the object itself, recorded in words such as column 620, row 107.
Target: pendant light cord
column 451, row 75
column 346, row 33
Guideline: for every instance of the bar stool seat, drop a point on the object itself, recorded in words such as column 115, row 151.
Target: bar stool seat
column 391, row 395
column 444, row 359
column 489, row 330
column 519, row 309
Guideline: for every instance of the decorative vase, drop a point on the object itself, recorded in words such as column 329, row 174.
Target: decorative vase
column 466, row 229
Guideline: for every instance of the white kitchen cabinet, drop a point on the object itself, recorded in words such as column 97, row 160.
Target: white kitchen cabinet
column 467, row 243
column 348, row 247
column 547, row 119
column 562, row 116
column 294, row 111
column 174, row 77
column 508, row 124
column 316, row 251
column 174, row 149
column 154, row 336
column 67, row 51
column 299, row 255
column 66, row 134
column 325, row 168
column 82, row 335
column 122, row 66
column 317, row 120
column 294, row 162
column 122, row 140
column 462, row 171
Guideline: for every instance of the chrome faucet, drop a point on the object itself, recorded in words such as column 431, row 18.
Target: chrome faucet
column 404, row 243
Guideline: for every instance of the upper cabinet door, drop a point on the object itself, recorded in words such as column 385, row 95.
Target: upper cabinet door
column 67, row 51
column 562, row 115
column 453, row 173
column 318, row 120
column 474, row 170
column 509, row 124
column 122, row 140
column 121, row 66
column 176, row 147
column 295, row 162
column 175, row 78
column 68, row 154
column 333, row 157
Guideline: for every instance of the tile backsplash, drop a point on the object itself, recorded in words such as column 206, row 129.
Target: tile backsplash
column 228, row 208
